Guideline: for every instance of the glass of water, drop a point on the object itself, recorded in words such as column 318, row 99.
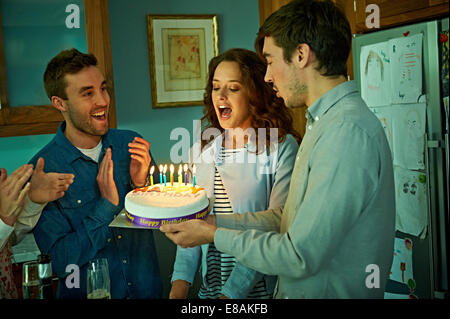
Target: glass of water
column 98, row 282
column 30, row 280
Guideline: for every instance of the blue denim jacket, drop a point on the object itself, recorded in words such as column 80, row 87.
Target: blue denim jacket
column 74, row 229
column 248, row 190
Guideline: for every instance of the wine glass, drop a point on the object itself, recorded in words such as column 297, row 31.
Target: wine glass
column 98, row 282
column 30, row 280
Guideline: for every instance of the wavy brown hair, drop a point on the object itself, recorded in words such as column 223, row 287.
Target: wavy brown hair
column 265, row 108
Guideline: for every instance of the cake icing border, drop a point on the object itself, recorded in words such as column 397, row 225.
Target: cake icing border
column 155, row 223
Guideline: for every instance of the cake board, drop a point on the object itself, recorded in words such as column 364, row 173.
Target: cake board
column 121, row 220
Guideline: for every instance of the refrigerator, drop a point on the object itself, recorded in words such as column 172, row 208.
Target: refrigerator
column 402, row 74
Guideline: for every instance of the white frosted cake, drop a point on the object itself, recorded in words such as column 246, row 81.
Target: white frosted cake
column 157, row 205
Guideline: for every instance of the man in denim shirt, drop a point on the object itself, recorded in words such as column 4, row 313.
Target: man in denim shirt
column 106, row 162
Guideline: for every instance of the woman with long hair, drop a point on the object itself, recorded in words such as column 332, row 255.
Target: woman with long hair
column 248, row 149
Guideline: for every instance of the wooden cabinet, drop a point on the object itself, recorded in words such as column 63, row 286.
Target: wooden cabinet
column 267, row 7
column 398, row 12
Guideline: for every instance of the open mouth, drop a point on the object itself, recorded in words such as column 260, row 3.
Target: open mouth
column 225, row 112
column 99, row 115
column 276, row 91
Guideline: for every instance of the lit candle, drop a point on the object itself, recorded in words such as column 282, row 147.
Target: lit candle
column 160, row 174
column 193, row 172
column 171, row 174
column 165, row 170
column 151, row 175
column 185, row 174
column 180, row 176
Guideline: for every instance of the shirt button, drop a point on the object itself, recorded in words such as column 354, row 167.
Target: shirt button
column 309, row 127
column 109, row 240
column 119, row 237
column 129, row 284
column 79, row 201
column 124, row 261
column 316, row 118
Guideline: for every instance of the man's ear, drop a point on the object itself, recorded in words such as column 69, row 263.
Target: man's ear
column 58, row 103
column 304, row 55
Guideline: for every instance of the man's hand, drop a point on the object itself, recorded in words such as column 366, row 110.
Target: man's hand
column 140, row 161
column 105, row 179
column 180, row 289
column 47, row 187
column 12, row 193
column 191, row 233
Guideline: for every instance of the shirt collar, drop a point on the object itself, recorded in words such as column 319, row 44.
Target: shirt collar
column 70, row 152
column 329, row 99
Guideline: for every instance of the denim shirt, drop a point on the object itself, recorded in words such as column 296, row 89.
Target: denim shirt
column 252, row 184
column 74, row 229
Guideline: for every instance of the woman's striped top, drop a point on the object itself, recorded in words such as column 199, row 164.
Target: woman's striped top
column 220, row 265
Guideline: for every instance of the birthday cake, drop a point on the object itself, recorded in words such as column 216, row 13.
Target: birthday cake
column 157, row 205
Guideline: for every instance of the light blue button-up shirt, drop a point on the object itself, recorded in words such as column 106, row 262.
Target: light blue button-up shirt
column 339, row 216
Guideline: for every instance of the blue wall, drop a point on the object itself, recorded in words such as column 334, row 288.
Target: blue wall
column 32, row 40
column 238, row 22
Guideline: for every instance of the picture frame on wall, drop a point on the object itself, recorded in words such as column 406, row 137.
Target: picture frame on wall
column 180, row 48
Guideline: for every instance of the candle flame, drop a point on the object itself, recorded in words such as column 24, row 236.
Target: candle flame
column 171, row 168
column 180, row 170
column 185, row 168
column 152, row 170
column 160, row 168
column 193, row 169
column 165, row 169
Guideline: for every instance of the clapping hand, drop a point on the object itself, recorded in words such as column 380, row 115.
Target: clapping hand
column 12, row 192
column 48, row 187
column 105, row 179
column 140, row 161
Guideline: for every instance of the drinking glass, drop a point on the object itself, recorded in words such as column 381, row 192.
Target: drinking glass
column 30, row 280
column 98, row 282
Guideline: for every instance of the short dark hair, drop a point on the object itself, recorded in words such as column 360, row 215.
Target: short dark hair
column 66, row 62
column 318, row 23
column 265, row 108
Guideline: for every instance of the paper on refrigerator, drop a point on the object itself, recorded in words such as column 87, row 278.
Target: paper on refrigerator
column 402, row 269
column 375, row 74
column 384, row 114
column 411, row 202
column 408, row 135
column 405, row 55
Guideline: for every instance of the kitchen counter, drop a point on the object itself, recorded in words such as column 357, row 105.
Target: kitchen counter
column 26, row 250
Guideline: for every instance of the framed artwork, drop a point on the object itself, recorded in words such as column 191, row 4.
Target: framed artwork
column 180, row 48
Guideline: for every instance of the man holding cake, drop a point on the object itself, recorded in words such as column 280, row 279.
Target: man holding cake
column 339, row 215
column 106, row 164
